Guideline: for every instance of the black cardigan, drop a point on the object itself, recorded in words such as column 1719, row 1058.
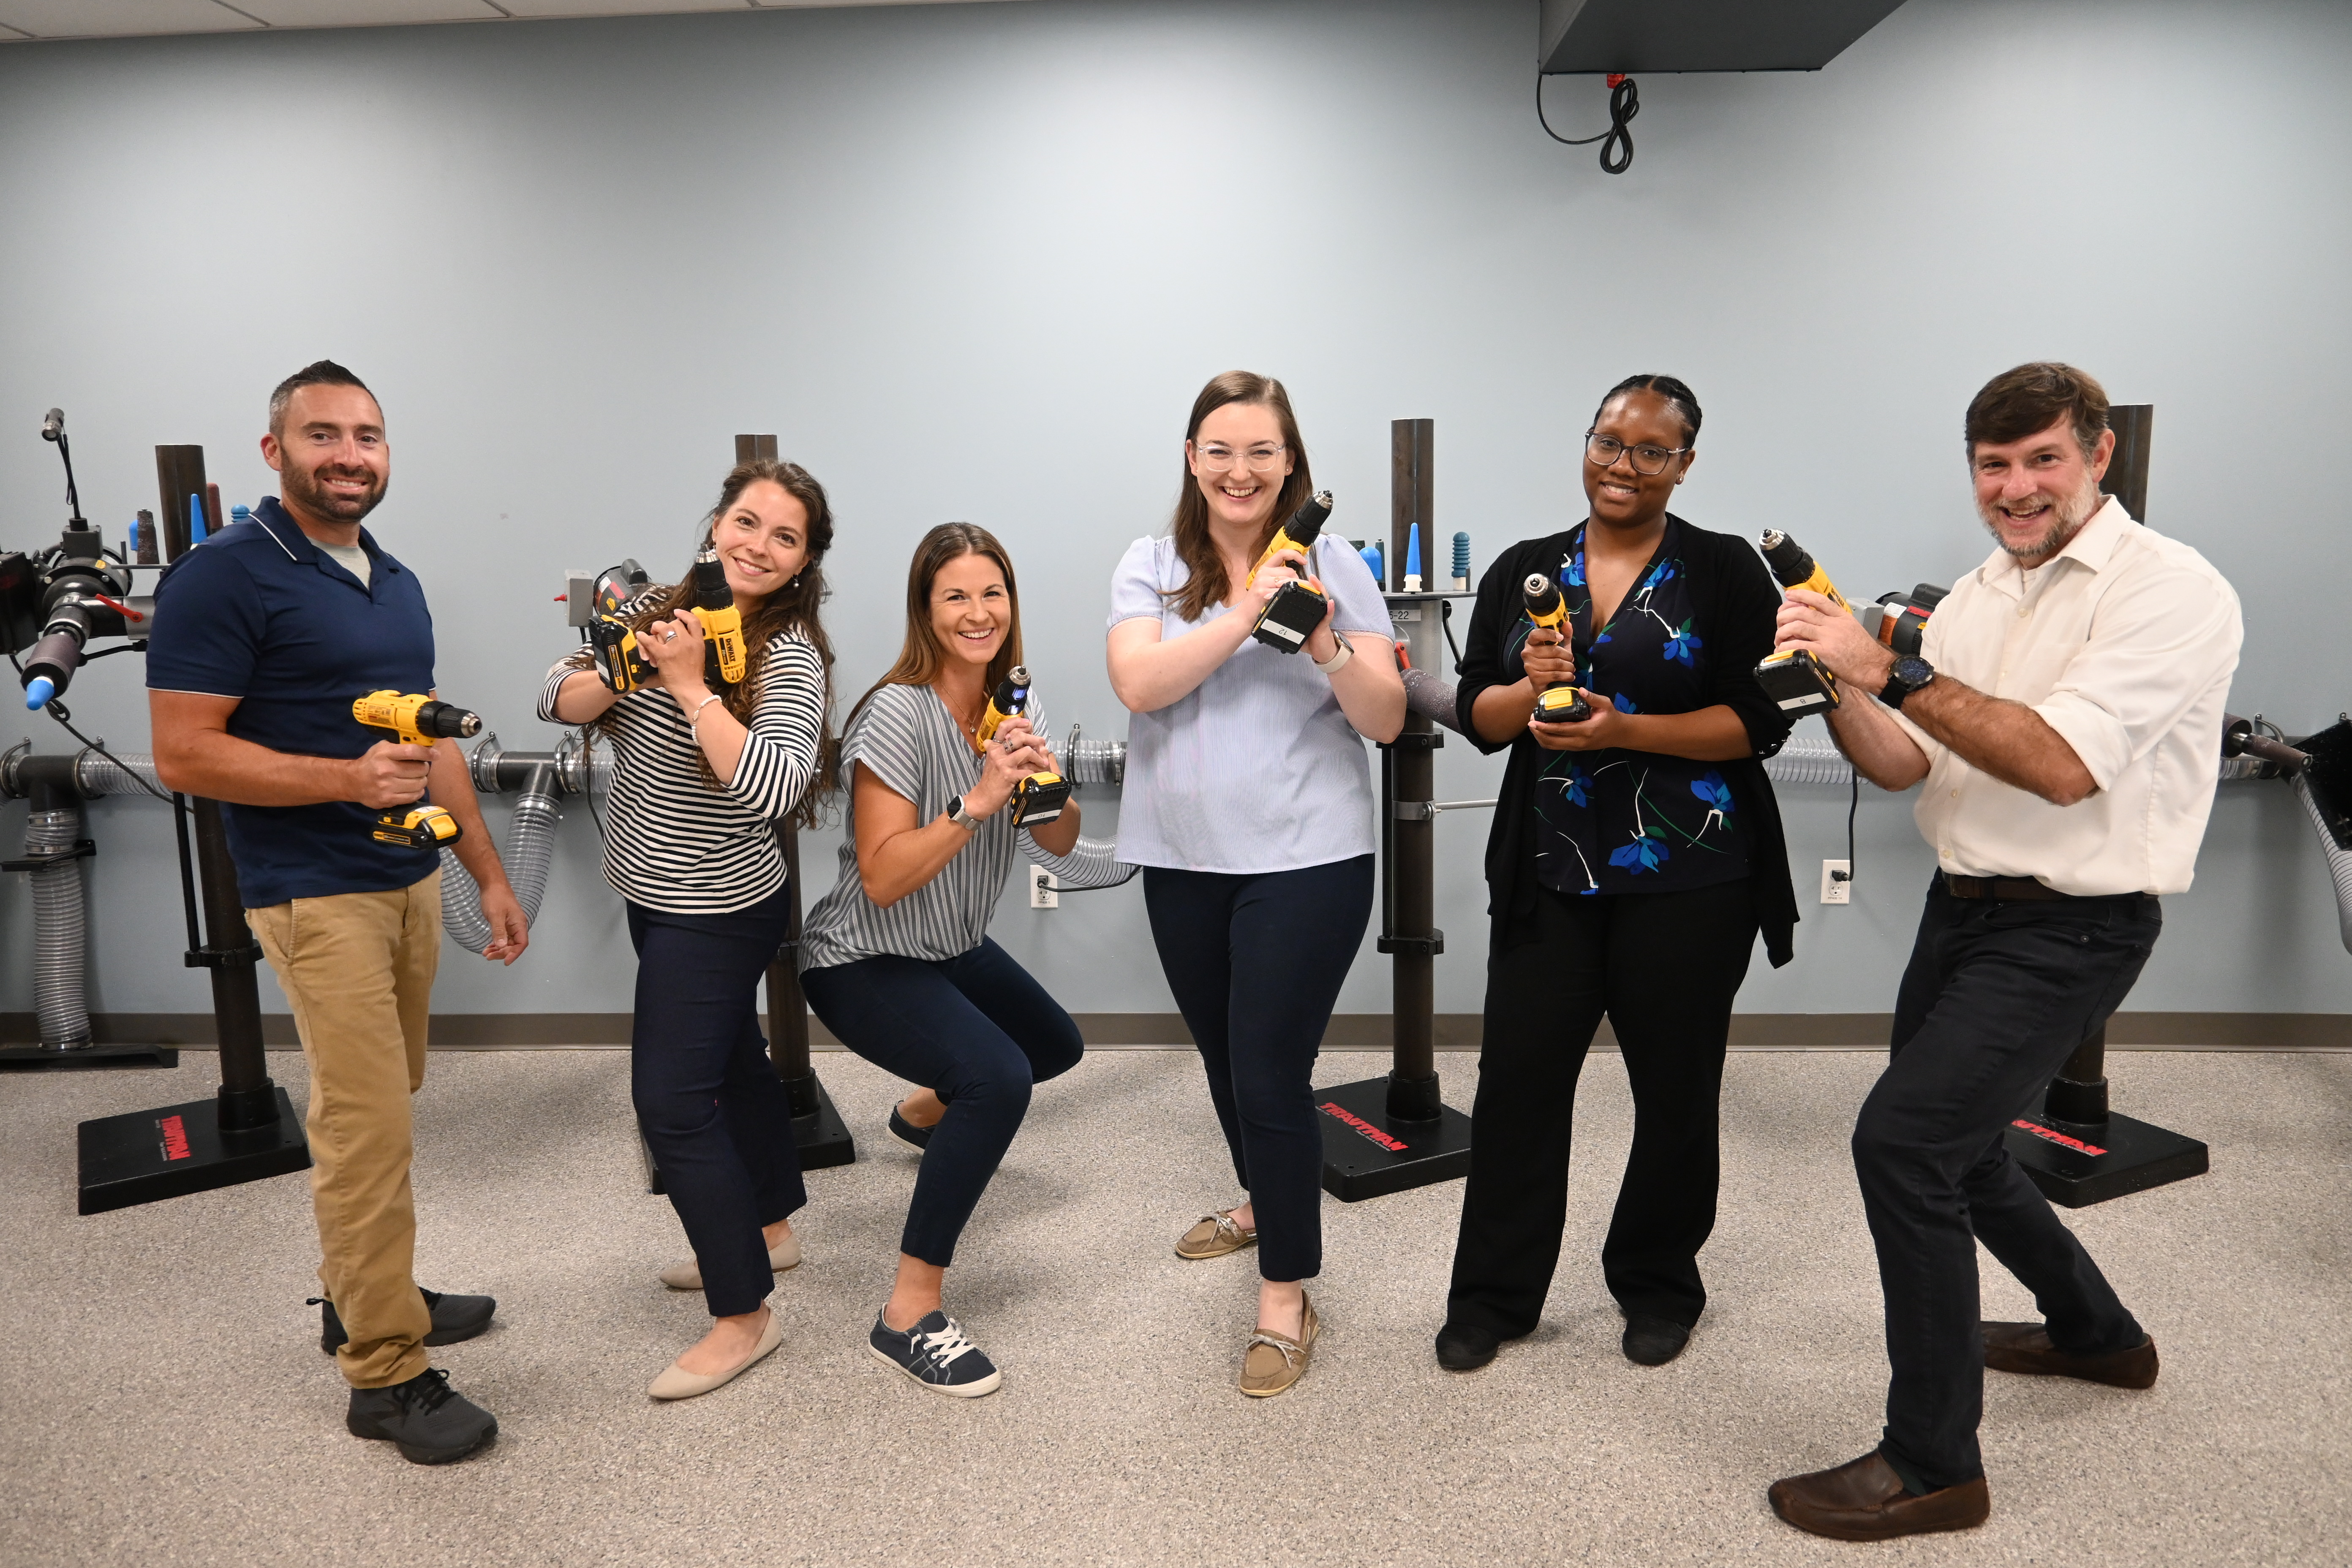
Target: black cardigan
column 1736, row 602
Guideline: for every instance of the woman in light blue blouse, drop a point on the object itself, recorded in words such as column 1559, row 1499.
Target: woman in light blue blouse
column 1248, row 801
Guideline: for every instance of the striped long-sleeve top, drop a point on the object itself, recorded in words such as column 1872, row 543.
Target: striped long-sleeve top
column 673, row 841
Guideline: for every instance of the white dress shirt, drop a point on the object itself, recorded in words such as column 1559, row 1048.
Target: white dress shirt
column 2123, row 642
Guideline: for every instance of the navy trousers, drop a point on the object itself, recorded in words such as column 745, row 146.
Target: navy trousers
column 712, row 1109
column 1255, row 961
column 1996, row 998
column 974, row 1029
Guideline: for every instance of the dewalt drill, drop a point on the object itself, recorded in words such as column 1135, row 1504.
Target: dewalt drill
column 1038, row 798
column 1561, row 703
column 1291, row 617
column 415, row 720
column 1791, row 676
column 621, row 659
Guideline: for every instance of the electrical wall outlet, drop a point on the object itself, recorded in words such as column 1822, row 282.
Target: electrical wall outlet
column 1044, row 890
column 1837, row 882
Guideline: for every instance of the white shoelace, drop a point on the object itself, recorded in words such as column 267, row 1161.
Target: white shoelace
column 941, row 1349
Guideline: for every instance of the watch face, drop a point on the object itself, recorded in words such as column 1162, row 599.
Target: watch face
column 1913, row 671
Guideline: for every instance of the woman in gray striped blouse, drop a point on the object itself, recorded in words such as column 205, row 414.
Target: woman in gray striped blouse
column 897, row 959
column 702, row 777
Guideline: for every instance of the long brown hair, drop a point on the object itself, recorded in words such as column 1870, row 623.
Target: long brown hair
column 920, row 656
column 1207, row 584
column 791, row 608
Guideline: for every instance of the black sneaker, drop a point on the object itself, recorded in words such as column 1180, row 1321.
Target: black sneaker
column 935, row 1354
column 907, row 1132
column 1465, row 1347
column 455, row 1317
column 1653, row 1342
column 428, row 1421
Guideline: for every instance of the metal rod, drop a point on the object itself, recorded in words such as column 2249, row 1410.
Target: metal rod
column 2126, row 476
column 1411, row 490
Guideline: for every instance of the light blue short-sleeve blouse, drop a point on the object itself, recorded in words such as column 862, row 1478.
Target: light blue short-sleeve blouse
column 1256, row 769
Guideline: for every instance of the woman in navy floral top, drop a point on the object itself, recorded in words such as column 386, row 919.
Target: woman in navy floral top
column 1635, row 856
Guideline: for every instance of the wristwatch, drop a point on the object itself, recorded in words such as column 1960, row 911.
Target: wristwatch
column 1910, row 673
column 961, row 818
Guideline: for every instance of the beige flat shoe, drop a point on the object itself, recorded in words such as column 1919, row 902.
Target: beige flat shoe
column 688, row 1276
column 1273, row 1362
column 677, row 1383
column 1214, row 1236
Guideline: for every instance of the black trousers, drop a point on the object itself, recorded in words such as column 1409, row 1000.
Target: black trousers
column 1255, row 961
column 976, row 1030
column 1997, row 996
column 1664, row 968
column 712, row 1109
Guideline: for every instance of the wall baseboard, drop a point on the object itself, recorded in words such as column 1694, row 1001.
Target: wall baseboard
column 1349, row 1031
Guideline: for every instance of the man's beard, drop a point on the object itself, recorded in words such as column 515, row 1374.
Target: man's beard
column 302, row 488
column 2066, row 519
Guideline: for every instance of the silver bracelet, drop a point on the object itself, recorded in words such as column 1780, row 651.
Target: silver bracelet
column 1338, row 661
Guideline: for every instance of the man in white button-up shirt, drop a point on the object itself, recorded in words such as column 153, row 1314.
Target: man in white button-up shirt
column 2065, row 715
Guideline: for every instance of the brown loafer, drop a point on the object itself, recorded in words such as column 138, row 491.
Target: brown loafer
column 2026, row 1348
column 1273, row 1362
column 1214, row 1236
column 1865, row 1500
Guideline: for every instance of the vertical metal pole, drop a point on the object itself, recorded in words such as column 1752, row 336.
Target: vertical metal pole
column 2126, row 476
column 247, row 1098
column 1411, row 490
column 2079, row 1093
column 1409, row 769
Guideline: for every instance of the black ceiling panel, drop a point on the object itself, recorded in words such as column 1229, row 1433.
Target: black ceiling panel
column 1647, row 36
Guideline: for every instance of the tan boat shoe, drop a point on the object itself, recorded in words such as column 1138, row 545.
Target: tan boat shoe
column 1273, row 1362
column 1214, row 1236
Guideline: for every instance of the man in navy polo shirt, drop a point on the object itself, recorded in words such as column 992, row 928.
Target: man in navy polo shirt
column 273, row 627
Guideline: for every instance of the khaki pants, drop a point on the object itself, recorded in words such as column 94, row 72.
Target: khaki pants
column 358, row 968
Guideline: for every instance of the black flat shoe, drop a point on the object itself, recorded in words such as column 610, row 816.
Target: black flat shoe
column 1653, row 1341
column 455, row 1317
column 907, row 1132
column 1462, row 1347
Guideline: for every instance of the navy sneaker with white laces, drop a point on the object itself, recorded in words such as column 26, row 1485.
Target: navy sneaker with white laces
column 935, row 1354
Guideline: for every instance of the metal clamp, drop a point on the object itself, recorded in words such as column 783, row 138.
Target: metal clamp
column 82, row 848
column 221, row 957
column 1428, row 946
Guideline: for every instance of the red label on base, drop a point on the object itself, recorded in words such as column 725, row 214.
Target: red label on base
column 1365, row 1129
column 176, row 1137
column 2048, row 1136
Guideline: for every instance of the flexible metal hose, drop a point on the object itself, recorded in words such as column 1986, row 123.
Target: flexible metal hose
column 1809, row 762
column 529, row 851
column 1091, row 863
column 2339, row 859
column 60, row 924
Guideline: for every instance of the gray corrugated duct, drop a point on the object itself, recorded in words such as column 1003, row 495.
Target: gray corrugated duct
column 2339, row 859
column 530, row 850
column 61, row 928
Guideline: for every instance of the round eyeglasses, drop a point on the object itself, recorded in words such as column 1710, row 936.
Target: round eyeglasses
column 1220, row 460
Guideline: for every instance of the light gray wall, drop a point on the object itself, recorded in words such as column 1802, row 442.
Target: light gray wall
column 972, row 262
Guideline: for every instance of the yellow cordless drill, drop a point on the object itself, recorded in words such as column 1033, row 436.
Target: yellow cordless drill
column 1791, row 676
column 724, row 659
column 1292, row 614
column 1561, row 703
column 1038, row 798
column 415, row 720
column 621, row 659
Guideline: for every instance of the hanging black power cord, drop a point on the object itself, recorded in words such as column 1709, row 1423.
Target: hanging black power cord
column 1853, row 799
column 1617, row 141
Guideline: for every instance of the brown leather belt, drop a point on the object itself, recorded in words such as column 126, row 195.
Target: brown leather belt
column 2006, row 888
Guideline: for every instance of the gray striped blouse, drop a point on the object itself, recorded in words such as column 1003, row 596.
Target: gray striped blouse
column 907, row 739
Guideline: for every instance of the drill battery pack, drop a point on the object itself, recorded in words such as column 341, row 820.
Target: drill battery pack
column 1038, row 799
column 418, row 827
column 1561, row 705
column 1290, row 618
column 1795, row 680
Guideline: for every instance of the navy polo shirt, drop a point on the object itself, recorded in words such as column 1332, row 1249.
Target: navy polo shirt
column 260, row 614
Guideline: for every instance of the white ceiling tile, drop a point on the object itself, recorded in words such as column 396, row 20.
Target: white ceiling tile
column 364, row 13
column 617, row 7
column 117, row 18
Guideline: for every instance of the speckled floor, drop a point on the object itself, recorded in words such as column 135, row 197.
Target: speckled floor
column 163, row 1399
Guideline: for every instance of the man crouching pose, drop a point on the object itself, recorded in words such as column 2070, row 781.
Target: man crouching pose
column 2066, row 715
column 264, row 635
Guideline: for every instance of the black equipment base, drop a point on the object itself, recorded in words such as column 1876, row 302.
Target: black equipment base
column 1368, row 1156
column 821, row 1136
column 27, row 1059
column 2078, row 1163
column 180, row 1149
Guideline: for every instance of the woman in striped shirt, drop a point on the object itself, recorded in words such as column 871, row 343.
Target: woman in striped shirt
column 897, row 960
column 701, row 778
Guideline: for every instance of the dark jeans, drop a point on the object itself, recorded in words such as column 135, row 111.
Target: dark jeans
column 975, row 1030
column 1255, row 961
column 1997, row 996
column 1664, row 968
column 712, row 1108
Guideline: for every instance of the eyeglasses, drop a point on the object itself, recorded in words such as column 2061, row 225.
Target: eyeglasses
column 1601, row 451
column 1220, row 460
